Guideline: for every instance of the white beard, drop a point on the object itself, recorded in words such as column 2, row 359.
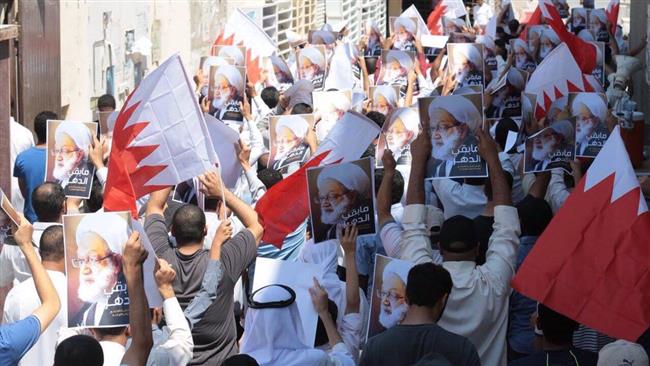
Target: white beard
column 499, row 98
column 542, row 153
column 383, row 111
column 62, row 172
column 392, row 74
column 333, row 217
column 95, row 292
column 544, row 51
column 520, row 61
column 582, row 134
column 444, row 152
column 220, row 102
column 395, row 317
column 309, row 74
column 461, row 74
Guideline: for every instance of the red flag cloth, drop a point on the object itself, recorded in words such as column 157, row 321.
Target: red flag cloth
column 535, row 19
column 434, row 20
column 584, row 52
column 591, row 263
column 612, row 14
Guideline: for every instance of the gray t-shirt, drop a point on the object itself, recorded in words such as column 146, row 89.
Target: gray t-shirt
column 407, row 344
column 215, row 336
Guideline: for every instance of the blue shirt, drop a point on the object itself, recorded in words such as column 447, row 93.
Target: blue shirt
column 17, row 338
column 30, row 168
column 522, row 334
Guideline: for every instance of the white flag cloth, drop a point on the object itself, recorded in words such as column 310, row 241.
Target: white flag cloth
column 224, row 139
column 412, row 12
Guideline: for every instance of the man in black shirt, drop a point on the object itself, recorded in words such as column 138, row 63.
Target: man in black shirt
column 418, row 336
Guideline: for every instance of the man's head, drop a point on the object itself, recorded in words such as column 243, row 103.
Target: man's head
column 106, row 103
column 340, row 189
column 522, row 54
column 396, row 187
column 338, row 104
column 548, row 41
column 188, row 225
column 467, row 59
column 557, row 328
column 513, row 25
column 40, row 125
column 403, row 127
column 590, row 110
column 100, row 238
column 269, row 177
column 597, row 21
column 458, row 241
column 534, row 215
column 505, row 126
column 312, row 63
column 79, row 350
column 384, row 99
column 51, row 246
column 451, row 119
column 429, row 285
column 302, row 108
column 405, row 29
column 398, row 63
column 393, row 293
column 289, row 133
column 229, row 85
column 378, row 118
column 48, row 201
column 71, row 143
column 551, row 139
column 270, row 96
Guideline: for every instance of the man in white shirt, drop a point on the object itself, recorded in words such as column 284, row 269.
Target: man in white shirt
column 23, row 299
column 482, row 13
column 478, row 304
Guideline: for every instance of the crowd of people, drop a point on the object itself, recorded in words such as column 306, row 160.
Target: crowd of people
column 452, row 238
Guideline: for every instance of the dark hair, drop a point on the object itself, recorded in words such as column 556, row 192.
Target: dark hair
column 397, row 185
column 457, row 235
column 240, row 360
column 47, row 201
column 377, row 117
column 96, row 199
column 513, row 25
column 79, row 350
column 557, row 328
column 51, row 245
column 188, row 224
column 269, row 177
column 302, row 108
column 427, row 283
column 534, row 215
column 321, row 333
column 270, row 96
column 504, row 126
column 40, row 125
column 109, row 332
column 106, row 101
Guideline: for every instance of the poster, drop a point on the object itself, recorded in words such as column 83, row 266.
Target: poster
column 97, row 294
column 283, row 79
column 598, row 25
column 235, row 55
column 403, row 29
column 452, row 122
column 341, row 194
column 505, row 99
column 8, row 217
column 465, row 66
column 524, row 58
column 395, row 67
column 562, row 7
column 452, row 25
column 67, row 160
column 289, row 150
column 552, row 147
column 590, row 113
column 599, row 71
column 322, row 37
column 225, row 141
column 579, row 19
column 388, row 298
column 401, row 127
column 384, row 98
column 226, row 91
column 528, row 104
column 330, row 106
column 312, row 65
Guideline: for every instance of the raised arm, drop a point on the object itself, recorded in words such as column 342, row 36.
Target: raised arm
column 420, row 151
column 384, row 195
column 349, row 243
column 50, row 302
column 154, row 224
column 408, row 99
column 139, row 315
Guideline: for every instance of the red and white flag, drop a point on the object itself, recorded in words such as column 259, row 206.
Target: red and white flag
column 286, row 205
column 445, row 8
column 240, row 30
column 591, row 263
column 556, row 76
column 612, row 13
column 159, row 139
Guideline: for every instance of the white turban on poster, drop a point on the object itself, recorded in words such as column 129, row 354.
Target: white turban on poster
column 486, row 41
column 409, row 118
column 593, row 102
column 550, row 34
column 232, row 74
column 520, row 44
column 213, row 61
column 109, row 226
column 600, row 14
column 516, row 79
column 234, row 53
column 398, row 269
column 460, row 108
column 351, row 176
column 280, row 64
column 469, row 52
column 401, row 57
column 407, row 23
column 314, row 56
column 298, row 125
column 77, row 131
column 388, row 92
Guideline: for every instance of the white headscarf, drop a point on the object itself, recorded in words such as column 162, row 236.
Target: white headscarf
column 470, row 52
column 110, row 226
column 349, row 175
column 458, row 106
column 233, row 52
column 232, row 74
column 399, row 268
column 298, row 125
column 272, row 335
column 387, row 92
column 406, row 22
column 77, row 131
column 401, row 57
column 594, row 103
column 314, row 55
column 213, row 61
column 409, row 118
